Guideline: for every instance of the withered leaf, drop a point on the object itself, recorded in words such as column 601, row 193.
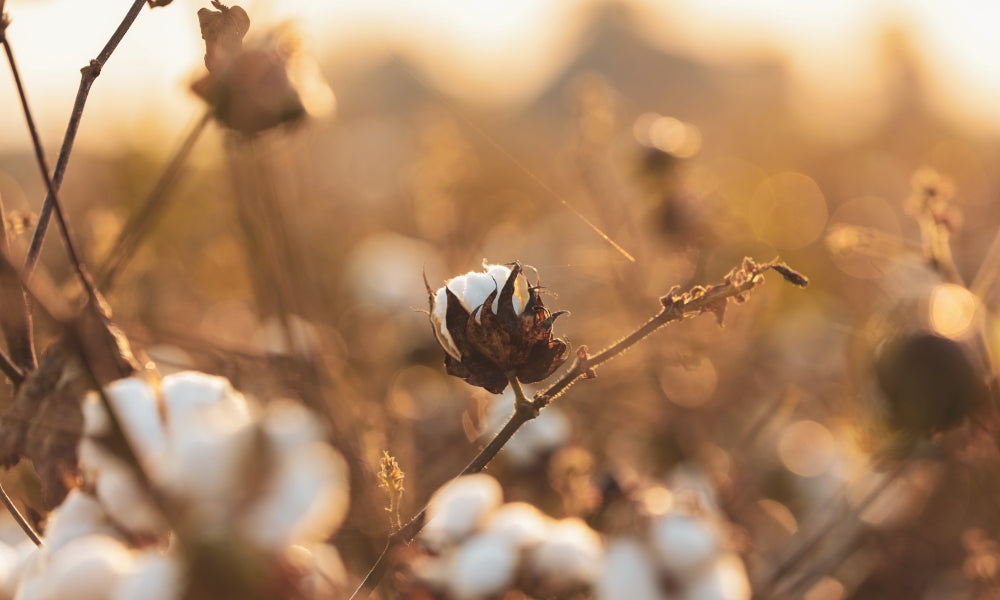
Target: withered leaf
column 44, row 423
column 223, row 31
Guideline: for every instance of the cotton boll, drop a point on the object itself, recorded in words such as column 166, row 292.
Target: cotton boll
column 570, row 556
column 87, row 568
column 127, row 503
column 459, row 507
column 191, row 397
column 10, row 558
column 726, row 579
column 323, row 574
column 482, row 567
column 684, row 544
column 25, row 555
column 206, row 468
column 209, row 434
column 628, row 573
column 79, row 515
column 547, row 432
column 154, row 576
column 519, row 522
column 30, row 584
column 306, row 497
column 135, row 405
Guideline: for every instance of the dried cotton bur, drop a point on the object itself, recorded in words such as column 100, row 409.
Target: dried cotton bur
column 257, row 86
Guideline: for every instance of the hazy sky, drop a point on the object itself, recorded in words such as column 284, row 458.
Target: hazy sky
column 502, row 50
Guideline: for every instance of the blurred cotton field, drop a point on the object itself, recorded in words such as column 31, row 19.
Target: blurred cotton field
column 321, row 246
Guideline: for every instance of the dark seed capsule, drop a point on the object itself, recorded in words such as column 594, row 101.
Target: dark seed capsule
column 929, row 383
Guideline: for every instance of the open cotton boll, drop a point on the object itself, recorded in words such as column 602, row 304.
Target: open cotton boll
column 482, row 567
column 472, row 289
column 684, row 544
column 628, row 573
column 458, row 508
column 87, row 568
column 10, row 558
column 154, row 576
column 306, row 496
column 79, row 515
column 25, row 554
column 136, row 408
column 127, row 503
column 547, row 432
column 570, row 556
column 206, row 469
column 726, row 579
column 519, row 522
column 193, row 397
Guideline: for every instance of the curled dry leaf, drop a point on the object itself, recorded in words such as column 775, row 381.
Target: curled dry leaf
column 44, row 423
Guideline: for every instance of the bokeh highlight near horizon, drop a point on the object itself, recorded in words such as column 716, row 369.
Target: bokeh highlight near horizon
column 503, row 54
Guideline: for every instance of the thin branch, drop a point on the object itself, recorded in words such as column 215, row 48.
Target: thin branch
column 676, row 306
column 15, row 319
column 807, row 547
column 88, row 73
column 138, row 225
column 19, row 518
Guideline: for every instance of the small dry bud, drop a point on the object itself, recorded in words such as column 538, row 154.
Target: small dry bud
column 390, row 478
column 791, row 275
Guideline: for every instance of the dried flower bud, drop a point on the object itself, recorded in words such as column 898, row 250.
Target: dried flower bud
column 262, row 84
column 491, row 324
column 929, row 383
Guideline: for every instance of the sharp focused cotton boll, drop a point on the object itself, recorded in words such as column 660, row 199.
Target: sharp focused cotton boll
column 569, row 556
column 456, row 509
column 482, row 567
column 628, row 573
column 684, row 544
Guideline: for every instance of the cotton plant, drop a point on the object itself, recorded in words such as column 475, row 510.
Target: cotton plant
column 497, row 333
column 223, row 497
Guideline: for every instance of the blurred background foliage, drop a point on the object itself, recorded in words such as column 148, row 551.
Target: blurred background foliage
column 317, row 237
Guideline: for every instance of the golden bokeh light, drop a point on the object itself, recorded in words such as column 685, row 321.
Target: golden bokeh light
column 788, row 211
column 952, row 310
column 806, row 448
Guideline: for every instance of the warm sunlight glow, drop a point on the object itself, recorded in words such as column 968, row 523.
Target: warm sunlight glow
column 952, row 310
column 806, row 448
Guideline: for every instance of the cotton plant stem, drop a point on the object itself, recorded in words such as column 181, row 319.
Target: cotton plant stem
column 89, row 73
column 768, row 588
column 138, row 225
column 676, row 306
